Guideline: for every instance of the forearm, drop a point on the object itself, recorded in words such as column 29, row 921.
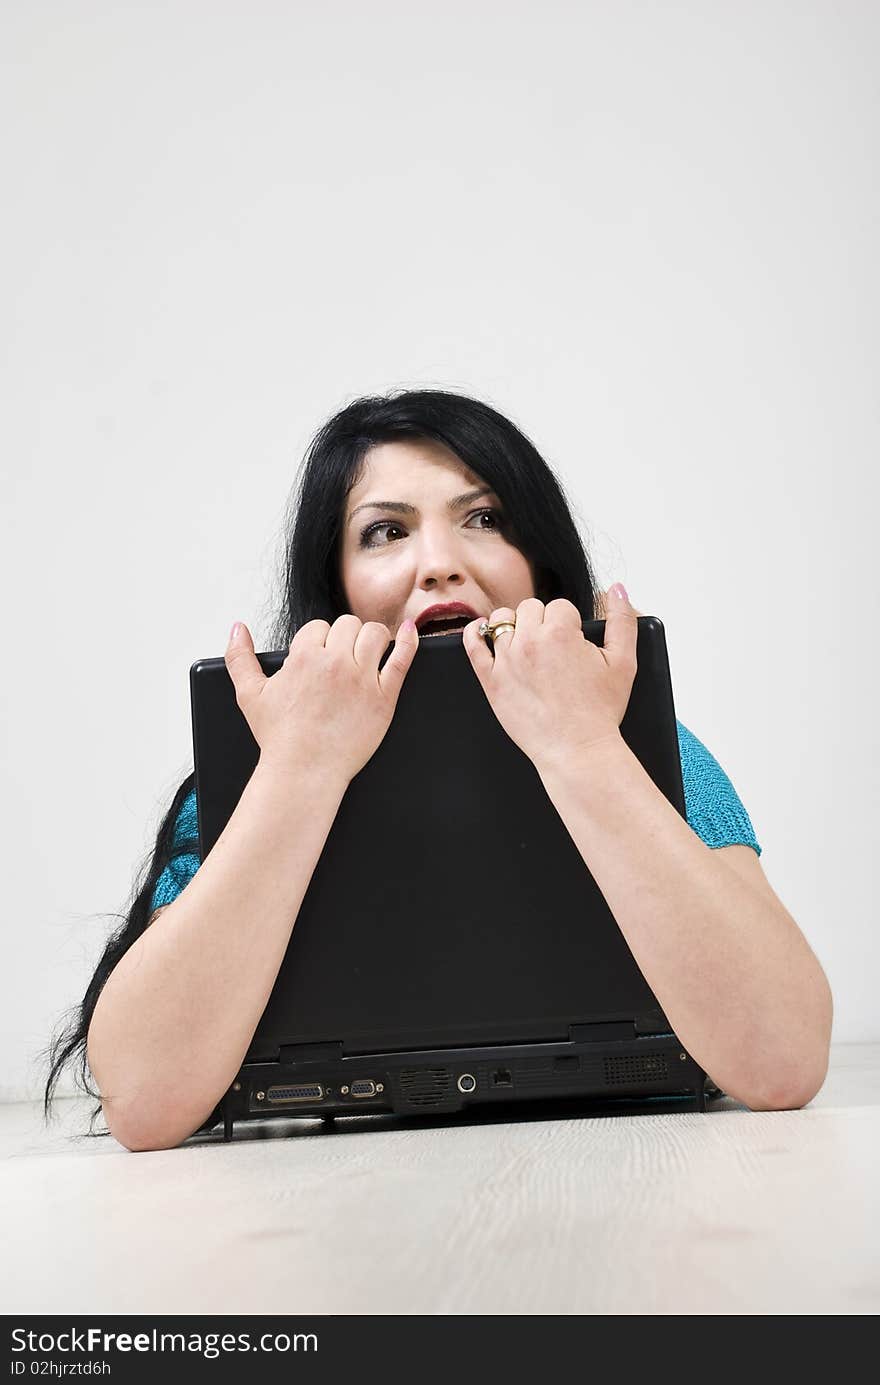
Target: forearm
column 177, row 1014
column 735, row 976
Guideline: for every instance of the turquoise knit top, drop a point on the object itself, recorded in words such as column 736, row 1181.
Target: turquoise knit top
column 714, row 811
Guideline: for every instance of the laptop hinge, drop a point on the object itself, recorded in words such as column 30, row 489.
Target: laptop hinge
column 654, row 1022
column 595, row 1033
column 296, row 1055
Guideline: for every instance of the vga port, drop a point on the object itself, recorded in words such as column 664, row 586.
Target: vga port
column 303, row 1091
column 363, row 1087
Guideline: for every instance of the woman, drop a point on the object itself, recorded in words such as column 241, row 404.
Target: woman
column 420, row 499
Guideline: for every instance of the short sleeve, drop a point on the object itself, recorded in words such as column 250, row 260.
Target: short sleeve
column 713, row 806
column 185, row 859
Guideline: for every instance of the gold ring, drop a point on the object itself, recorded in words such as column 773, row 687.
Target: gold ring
column 486, row 629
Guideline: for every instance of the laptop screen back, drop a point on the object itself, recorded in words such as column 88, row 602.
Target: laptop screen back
column 450, row 906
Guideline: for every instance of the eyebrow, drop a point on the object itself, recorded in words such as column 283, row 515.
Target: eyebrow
column 401, row 507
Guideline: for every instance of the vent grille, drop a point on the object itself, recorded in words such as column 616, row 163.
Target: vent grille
column 642, row 1067
column 425, row 1086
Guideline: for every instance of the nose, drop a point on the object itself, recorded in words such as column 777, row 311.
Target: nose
column 439, row 573
column 438, row 561
column 441, row 583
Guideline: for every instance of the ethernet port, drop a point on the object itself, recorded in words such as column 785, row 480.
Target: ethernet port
column 501, row 1078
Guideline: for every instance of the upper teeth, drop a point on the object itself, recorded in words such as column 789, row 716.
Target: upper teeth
column 428, row 626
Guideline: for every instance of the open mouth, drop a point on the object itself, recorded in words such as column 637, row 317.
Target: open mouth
column 443, row 627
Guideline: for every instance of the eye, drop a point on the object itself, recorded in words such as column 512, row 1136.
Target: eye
column 367, row 540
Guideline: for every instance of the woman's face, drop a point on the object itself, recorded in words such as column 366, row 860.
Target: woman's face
column 397, row 561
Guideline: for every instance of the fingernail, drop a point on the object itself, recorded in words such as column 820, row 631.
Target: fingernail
column 408, row 626
column 620, row 591
column 233, row 634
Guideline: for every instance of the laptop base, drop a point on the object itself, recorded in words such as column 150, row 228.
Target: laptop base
column 444, row 1081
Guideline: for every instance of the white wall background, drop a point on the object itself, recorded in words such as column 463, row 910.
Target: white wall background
column 646, row 232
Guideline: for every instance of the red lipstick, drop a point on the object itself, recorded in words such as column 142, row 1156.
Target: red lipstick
column 447, row 611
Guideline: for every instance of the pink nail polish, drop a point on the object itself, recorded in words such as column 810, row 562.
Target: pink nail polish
column 620, row 591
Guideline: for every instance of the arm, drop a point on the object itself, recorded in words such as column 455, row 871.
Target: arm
column 734, row 974
column 175, row 1018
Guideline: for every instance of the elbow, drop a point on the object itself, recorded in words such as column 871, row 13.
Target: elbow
column 785, row 1093
column 140, row 1139
column 141, row 1133
column 138, row 1142
column 797, row 1074
column 144, row 1122
column 780, row 1088
column 788, row 1085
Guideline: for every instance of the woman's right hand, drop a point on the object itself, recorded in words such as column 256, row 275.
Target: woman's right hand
column 328, row 703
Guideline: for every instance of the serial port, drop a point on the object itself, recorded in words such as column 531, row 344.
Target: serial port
column 303, row 1091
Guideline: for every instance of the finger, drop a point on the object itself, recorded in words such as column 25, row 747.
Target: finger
column 243, row 665
column 372, row 640
column 621, row 625
column 529, row 614
column 599, row 606
column 397, row 664
column 343, row 633
column 481, row 656
column 564, row 613
column 505, row 636
column 313, row 632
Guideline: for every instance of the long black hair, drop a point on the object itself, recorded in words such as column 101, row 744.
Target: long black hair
column 540, row 523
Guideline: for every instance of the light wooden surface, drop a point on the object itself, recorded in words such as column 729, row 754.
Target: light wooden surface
column 728, row 1212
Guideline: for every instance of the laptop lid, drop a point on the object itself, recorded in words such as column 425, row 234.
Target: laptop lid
column 449, row 906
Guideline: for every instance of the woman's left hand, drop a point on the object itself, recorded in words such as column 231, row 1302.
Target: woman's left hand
column 553, row 691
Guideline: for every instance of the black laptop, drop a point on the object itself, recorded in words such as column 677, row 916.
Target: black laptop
column 452, row 950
